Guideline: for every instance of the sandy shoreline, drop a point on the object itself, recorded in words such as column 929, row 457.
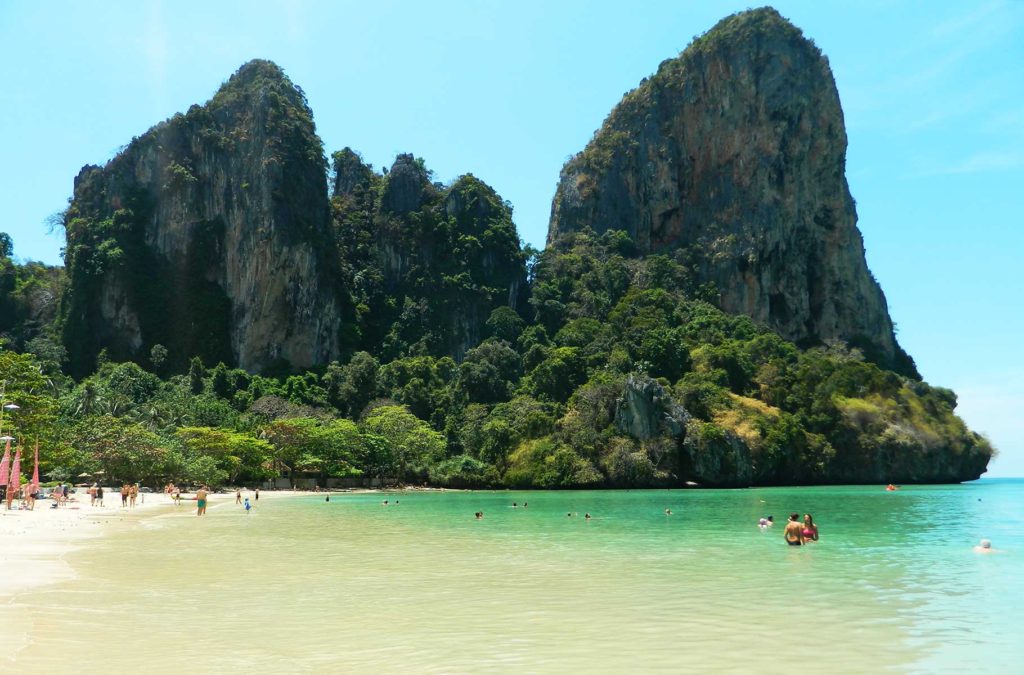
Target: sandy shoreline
column 34, row 544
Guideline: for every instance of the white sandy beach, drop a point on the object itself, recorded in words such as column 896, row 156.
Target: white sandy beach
column 34, row 544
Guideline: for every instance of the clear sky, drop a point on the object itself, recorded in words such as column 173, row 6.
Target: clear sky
column 933, row 93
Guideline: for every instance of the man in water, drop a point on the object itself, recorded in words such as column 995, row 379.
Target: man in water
column 794, row 532
column 201, row 501
column 985, row 546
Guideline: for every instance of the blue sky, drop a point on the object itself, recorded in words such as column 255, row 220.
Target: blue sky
column 933, row 94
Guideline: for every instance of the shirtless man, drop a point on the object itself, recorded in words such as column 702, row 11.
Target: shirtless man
column 201, row 501
column 794, row 532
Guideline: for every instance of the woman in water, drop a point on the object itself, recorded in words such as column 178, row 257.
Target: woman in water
column 810, row 529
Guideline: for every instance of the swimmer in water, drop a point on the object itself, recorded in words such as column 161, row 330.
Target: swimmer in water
column 515, row 505
column 479, row 515
column 985, row 546
column 587, row 516
column 668, row 512
column 327, row 498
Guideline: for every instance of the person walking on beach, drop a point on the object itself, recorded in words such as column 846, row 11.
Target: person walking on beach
column 794, row 532
column 92, row 495
column 124, row 495
column 133, row 494
column 257, row 495
column 201, row 501
column 238, row 496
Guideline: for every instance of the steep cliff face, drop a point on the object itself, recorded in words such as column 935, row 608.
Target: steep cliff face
column 426, row 263
column 732, row 157
column 209, row 234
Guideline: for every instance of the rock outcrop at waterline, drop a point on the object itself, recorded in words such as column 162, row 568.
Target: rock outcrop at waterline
column 210, row 234
column 732, row 158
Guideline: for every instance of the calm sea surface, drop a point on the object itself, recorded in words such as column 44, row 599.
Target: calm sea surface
column 302, row 585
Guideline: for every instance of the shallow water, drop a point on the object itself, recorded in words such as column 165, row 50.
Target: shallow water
column 302, row 585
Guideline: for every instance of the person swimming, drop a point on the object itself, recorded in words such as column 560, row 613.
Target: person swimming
column 985, row 546
column 479, row 515
column 668, row 512
column 587, row 516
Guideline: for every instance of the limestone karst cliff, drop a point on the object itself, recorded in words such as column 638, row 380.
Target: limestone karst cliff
column 427, row 263
column 209, row 234
column 732, row 158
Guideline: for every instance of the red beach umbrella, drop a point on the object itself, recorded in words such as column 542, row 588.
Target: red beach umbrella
column 5, row 465
column 34, row 485
column 15, row 482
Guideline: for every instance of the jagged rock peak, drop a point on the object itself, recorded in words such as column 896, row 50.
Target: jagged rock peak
column 223, row 217
column 408, row 185
column 732, row 157
column 350, row 172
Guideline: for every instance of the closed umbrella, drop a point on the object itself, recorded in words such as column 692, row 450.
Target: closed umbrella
column 34, row 485
column 14, row 484
column 5, row 466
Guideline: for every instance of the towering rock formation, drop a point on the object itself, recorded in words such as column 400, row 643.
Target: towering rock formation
column 209, row 234
column 732, row 157
column 427, row 263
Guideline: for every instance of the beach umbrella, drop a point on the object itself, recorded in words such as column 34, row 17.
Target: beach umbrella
column 14, row 484
column 5, row 466
column 34, row 485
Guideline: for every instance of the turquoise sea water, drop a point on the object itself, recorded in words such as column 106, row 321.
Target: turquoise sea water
column 302, row 585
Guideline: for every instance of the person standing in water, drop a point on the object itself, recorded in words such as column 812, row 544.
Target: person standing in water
column 794, row 532
column 810, row 530
column 201, row 501
column 238, row 496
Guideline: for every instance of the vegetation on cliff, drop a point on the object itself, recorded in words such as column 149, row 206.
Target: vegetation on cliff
column 628, row 377
column 223, row 321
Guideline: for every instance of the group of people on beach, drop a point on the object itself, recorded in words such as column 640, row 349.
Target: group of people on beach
column 129, row 495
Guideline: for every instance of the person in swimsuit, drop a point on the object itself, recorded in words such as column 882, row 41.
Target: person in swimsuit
column 810, row 530
column 201, row 501
column 794, row 532
column 238, row 496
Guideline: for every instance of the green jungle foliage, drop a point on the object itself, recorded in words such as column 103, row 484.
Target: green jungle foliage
column 426, row 264
column 622, row 375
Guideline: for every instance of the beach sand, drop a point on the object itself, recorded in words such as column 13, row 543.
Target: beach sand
column 34, row 545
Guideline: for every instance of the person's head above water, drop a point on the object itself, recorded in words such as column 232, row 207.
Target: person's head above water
column 985, row 543
column 794, row 517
